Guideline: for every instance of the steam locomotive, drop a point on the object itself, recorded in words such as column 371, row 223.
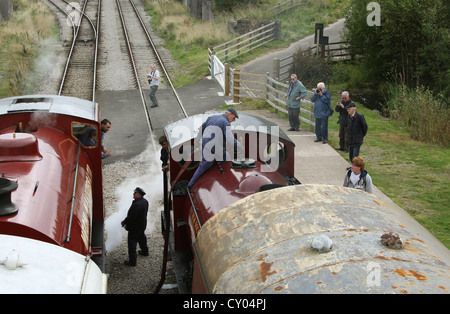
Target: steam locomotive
column 247, row 225
column 51, row 196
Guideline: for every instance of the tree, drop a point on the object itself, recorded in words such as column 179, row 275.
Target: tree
column 410, row 46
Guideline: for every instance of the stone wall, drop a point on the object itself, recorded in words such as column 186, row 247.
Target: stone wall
column 6, row 8
column 243, row 26
column 200, row 9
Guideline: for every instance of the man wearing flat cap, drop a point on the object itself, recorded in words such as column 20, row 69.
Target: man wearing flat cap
column 356, row 130
column 210, row 128
column 135, row 223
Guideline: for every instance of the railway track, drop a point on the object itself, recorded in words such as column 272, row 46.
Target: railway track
column 141, row 50
column 121, row 38
column 79, row 75
column 79, row 78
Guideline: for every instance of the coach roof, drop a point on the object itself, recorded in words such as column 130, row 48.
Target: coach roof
column 50, row 103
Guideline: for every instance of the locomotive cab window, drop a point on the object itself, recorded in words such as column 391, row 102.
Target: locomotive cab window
column 87, row 134
column 275, row 149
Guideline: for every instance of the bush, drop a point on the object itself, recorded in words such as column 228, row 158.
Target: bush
column 426, row 117
column 310, row 69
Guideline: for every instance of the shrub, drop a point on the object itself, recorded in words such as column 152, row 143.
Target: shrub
column 310, row 69
column 426, row 117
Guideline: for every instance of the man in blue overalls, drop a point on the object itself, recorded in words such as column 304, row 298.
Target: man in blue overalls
column 210, row 128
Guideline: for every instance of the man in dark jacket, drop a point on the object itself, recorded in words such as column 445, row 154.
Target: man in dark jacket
column 356, row 130
column 135, row 223
column 341, row 107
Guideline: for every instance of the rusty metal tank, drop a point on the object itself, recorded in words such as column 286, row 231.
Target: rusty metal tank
column 262, row 244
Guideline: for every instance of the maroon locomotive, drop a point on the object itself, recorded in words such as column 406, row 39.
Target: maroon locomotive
column 51, row 195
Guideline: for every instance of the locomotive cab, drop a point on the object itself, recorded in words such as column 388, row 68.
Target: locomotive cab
column 51, row 177
column 267, row 162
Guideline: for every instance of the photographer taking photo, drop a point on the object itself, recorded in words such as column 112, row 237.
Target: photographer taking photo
column 322, row 110
column 341, row 107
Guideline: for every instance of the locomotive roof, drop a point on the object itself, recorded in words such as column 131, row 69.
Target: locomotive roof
column 50, row 103
column 193, row 124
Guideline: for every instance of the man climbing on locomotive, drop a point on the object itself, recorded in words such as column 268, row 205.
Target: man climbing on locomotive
column 214, row 145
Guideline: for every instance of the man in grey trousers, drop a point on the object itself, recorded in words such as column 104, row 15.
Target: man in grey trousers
column 296, row 91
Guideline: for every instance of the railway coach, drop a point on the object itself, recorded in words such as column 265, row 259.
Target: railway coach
column 51, row 196
column 248, row 226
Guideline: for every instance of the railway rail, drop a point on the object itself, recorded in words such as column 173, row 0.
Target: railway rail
column 79, row 74
column 136, row 46
column 139, row 46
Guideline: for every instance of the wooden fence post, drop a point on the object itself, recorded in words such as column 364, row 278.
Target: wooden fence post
column 236, row 78
column 276, row 68
column 227, row 79
column 311, row 118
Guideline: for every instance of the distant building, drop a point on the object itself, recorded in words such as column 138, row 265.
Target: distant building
column 6, row 8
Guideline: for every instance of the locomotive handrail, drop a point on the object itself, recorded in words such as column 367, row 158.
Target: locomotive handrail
column 193, row 207
column 67, row 240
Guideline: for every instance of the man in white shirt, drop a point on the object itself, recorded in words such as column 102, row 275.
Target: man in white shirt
column 153, row 78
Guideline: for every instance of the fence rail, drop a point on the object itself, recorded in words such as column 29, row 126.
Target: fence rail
column 273, row 92
column 283, row 7
column 335, row 52
column 244, row 43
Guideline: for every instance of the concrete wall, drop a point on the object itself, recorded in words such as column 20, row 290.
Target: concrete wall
column 200, row 9
column 6, row 8
column 244, row 26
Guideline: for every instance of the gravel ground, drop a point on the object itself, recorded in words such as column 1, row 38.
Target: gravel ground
column 119, row 178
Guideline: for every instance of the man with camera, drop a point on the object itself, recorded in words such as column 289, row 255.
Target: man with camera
column 341, row 107
column 322, row 110
column 153, row 80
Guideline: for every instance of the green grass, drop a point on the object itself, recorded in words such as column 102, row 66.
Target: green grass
column 20, row 38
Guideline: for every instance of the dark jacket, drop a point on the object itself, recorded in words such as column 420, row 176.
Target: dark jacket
column 164, row 157
column 356, row 129
column 136, row 220
column 343, row 114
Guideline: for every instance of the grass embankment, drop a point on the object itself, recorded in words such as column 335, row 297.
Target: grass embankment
column 20, row 38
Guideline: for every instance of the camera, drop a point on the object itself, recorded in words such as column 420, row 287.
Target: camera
column 318, row 90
